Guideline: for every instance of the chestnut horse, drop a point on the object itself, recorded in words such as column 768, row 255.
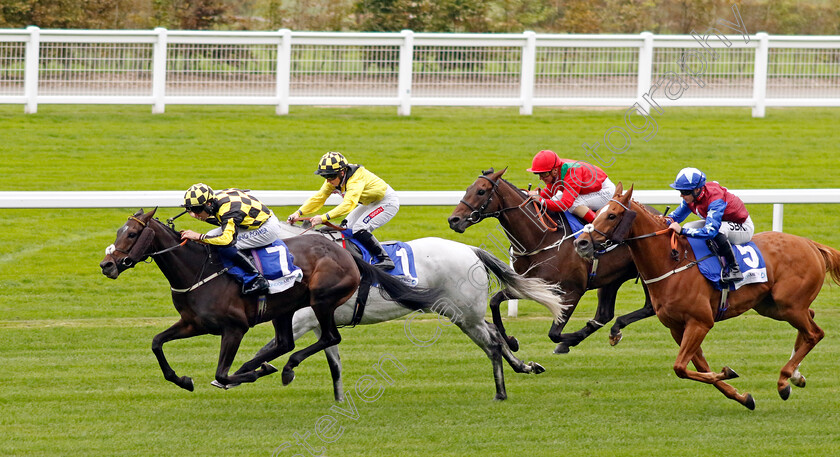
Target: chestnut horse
column 543, row 249
column 688, row 305
column 209, row 301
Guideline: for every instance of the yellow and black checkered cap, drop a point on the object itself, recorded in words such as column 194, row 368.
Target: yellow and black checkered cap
column 331, row 163
column 197, row 195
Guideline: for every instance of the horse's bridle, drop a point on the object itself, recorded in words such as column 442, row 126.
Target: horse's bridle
column 477, row 214
column 137, row 254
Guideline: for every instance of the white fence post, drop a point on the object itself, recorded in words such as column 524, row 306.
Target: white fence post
column 405, row 73
column 159, row 72
column 528, row 76
column 778, row 217
column 760, row 78
column 30, row 77
column 513, row 304
column 284, row 71
column 645, row 64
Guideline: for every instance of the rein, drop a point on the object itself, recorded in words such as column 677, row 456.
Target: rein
column 477, row 215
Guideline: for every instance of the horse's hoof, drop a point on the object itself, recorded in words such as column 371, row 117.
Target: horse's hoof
column 750, row 402
column 513, row 343
column 215, row 383
column 186, row 383
column 729, row 373
column 785, row 392
column 536, row 368
column 798, row 381
column 267, row 369
column 500, row 396
column 615, row 339
column 561, row 349
column 288, row 376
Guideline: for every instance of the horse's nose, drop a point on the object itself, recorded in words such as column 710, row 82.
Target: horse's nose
column 583, row 247
column 109, row 268
column 454, row 224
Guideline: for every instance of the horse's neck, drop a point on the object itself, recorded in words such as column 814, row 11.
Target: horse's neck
column 181, row 266
column 651, row 254
column 525, row 227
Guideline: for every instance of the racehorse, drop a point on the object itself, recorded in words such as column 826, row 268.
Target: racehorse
column 542, row 249
column 461, row 273
column 689, row 305
column 209, row 301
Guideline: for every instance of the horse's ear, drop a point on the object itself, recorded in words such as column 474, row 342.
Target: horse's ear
column 629, row 194
column 149, row 215
column 139, row 212
column 502, row 171
column 619, row 189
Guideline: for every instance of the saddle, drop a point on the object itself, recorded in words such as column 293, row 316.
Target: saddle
column 396, row 250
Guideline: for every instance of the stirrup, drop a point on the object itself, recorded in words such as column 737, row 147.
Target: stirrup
column 733, row 275
column 258, row 285
column 385, row 264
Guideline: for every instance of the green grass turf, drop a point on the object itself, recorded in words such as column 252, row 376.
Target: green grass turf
column 81, row 380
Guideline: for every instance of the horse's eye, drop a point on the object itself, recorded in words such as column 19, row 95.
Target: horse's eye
column 132, row 235
column 481, row 192
column 611, row 217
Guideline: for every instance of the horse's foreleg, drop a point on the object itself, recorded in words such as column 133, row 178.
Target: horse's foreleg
column 627, row 319
column 604, row 314
column 179, row 330
column 495, row 302
column 555, row 333
column 745, row 399
column 231, row 338
column 690, row 337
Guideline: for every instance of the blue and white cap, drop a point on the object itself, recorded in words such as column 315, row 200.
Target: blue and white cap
column 689, row 179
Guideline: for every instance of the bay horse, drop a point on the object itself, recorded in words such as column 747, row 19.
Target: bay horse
column 209, row 301
column 543, row 249
column 462, row 273
column 689, row 305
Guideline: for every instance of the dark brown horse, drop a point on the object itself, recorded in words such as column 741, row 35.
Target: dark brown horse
column 543, row 249
column 688, row 305
column 209, row 301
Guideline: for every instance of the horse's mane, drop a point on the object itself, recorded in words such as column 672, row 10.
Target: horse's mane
column 657, row 217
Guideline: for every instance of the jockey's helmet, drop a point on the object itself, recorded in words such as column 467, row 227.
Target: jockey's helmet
column 198, row 196
column 689, row 179
column 331, row 163
column 544, row 161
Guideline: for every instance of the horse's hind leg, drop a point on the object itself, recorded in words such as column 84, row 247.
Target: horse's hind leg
column 179, row 330
column 627, row 319
column 809, row 335
column 495, row 301
column 482, row 336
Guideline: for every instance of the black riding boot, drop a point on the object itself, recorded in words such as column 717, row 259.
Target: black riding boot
column 259, row 284
column 381, row 258
column 733, row 273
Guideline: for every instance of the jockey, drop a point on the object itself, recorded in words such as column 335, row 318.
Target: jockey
column 726, row 219
column 579, row 187
column 244, row 223
column 369, row 202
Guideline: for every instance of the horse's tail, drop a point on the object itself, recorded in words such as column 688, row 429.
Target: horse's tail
column 397, row 290
column 536, row 289
column 832, row 260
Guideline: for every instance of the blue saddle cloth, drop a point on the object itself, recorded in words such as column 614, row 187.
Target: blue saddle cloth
column 749, row 259
column 575, row 224
column 401, row 253
column 274, row 260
